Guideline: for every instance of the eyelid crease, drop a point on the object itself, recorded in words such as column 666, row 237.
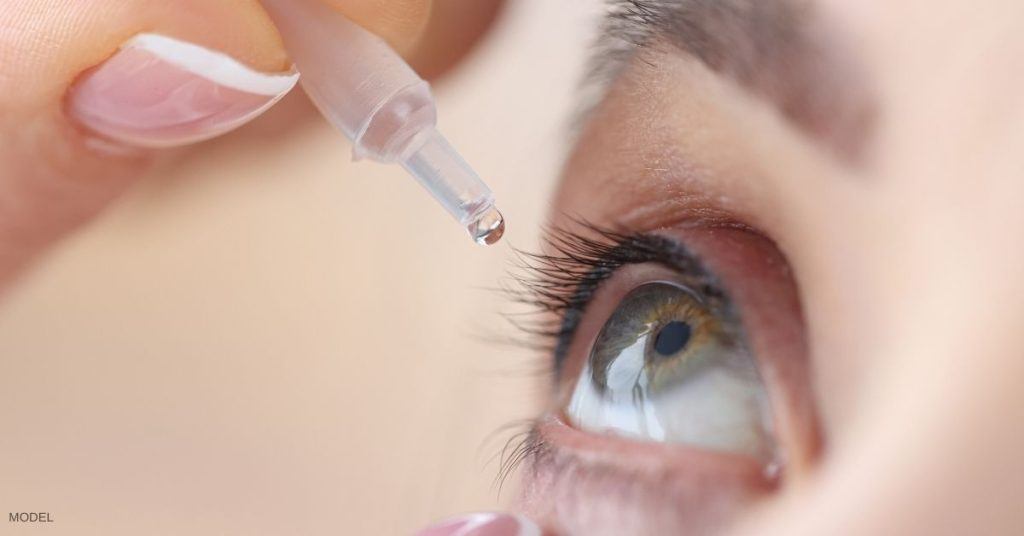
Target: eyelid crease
column 561, row 283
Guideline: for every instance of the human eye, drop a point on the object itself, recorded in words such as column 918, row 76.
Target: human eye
column 679, row 371
column 670, row 364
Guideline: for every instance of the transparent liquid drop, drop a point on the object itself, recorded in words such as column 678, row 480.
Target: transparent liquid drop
column 488, row 228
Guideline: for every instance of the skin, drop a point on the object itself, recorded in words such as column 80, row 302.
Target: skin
column 904, row 256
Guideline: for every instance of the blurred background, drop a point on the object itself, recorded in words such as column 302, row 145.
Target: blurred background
column 266, row 338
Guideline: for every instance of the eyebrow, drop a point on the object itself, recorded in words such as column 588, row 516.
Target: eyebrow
column 780, row 50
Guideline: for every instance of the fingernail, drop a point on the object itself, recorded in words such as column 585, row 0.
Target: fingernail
column 483, row 524
column 158, row 91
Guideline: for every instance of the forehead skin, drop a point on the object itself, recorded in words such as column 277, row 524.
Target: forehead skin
column 908, row 260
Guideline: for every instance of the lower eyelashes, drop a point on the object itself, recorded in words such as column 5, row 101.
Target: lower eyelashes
column 668, row 367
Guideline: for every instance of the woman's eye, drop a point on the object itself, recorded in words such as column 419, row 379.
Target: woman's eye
column 671, row 365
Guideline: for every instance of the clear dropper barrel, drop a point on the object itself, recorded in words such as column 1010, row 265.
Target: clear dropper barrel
column 368, row 92
column 443, row 172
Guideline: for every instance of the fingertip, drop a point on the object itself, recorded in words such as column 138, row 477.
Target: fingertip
column 44, row 51
column 159, row 91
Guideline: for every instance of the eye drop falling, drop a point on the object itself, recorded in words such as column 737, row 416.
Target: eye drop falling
column 369, row 93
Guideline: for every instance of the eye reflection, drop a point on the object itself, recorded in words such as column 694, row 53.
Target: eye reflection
column 670, row 365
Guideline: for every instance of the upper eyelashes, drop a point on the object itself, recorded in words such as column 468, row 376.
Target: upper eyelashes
column 563, row 282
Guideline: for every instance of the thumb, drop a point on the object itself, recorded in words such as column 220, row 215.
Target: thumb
column 89, row 89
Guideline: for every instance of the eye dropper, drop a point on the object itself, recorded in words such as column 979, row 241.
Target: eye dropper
column 369, row 93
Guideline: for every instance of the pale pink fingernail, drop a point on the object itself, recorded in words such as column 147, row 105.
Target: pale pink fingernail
column 158, row 91
column 483, row 524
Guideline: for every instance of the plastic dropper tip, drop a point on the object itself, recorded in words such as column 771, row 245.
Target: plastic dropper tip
column 488, row 228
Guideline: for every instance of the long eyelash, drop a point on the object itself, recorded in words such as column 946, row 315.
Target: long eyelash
column 526, row 444
column 559, row 285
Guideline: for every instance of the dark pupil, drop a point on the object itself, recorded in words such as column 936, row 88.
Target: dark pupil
column 671, row 338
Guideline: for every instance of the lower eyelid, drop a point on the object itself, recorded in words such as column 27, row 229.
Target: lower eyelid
column 575, row 472
column 654, row 460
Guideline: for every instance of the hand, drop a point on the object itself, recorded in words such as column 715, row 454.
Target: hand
column 78, row 122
